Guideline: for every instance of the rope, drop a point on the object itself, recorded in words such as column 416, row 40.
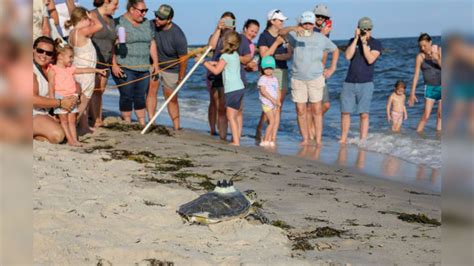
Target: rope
column 138, row 66
column 178, row 61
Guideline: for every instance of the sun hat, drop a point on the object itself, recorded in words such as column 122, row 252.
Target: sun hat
column 165, row 12
column 307, row 17
column 321, row 10
column 268, row 62
column 365, row 23
column 276, row 14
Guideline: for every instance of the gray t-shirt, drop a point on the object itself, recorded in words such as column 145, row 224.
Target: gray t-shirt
column 171, row 45
column 308, row 54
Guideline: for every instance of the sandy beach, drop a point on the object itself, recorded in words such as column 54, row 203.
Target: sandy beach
column 114, row 202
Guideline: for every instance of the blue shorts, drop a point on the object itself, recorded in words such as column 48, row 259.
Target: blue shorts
column 462, row 92
column 356, row 97
column 433, row 92
column 234, row 99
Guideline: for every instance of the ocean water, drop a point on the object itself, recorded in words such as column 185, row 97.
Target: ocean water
column 405, row 157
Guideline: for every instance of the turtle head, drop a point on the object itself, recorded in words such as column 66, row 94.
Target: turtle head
column 250, row 195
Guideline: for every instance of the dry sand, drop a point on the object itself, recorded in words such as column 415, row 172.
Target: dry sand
column 113, row 202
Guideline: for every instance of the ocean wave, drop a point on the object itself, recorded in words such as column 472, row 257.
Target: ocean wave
column 409, row 148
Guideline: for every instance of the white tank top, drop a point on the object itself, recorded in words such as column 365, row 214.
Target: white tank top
column 42, row 90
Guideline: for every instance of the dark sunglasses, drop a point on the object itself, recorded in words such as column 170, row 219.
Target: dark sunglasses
column 41, row 51
column 143, row 11
column 321, row 17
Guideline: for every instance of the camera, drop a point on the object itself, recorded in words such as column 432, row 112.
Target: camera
column 363, row 32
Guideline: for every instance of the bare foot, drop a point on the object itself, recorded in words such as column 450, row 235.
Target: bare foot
column 234, row 144
column 319, row 144
column 342, row 141
column 258, row 135
column 98, row 123
column 75, row 144
column 88, row 130
column 304, row 143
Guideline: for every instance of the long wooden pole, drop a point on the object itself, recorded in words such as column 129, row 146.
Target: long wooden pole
column 176, row 90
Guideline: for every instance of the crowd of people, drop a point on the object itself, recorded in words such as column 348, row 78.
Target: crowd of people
column 72, row 64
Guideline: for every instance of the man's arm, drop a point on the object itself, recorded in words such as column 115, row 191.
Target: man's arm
column 370, row 55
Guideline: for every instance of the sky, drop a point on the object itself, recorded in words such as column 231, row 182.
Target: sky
column 402, row 18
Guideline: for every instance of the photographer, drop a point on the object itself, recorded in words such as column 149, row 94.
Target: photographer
column 363, row 51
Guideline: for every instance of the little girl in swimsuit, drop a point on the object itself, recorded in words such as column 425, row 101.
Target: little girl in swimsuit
column 396, row 109
column 62, row 84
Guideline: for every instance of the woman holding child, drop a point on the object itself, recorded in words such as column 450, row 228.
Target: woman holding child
column 46, row 127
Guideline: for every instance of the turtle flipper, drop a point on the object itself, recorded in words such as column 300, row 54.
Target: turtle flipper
column 258, row 215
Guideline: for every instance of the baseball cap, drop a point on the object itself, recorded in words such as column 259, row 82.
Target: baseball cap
column 164, row 12
column 321, row 10
column 276, row 14
column 268, row 62
column 307, row 17
column 365, row 23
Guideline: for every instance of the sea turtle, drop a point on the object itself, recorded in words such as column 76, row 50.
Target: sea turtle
column 224, row 203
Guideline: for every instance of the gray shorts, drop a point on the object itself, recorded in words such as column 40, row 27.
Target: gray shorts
column 169, row 80
column 356, row 97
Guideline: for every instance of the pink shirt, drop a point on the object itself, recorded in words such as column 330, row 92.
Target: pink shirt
column 271, row 86
column 64, row 82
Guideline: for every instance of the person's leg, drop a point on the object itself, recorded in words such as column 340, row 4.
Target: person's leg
column 317, row 110
column 310, row 122
column 326, row 100
column 234, row 127
column 348, row 102
column 364, row 99
column 82, row 115
column 301, row 116
column 364, row 125
column 212, row 110
column 438, row 116
column 95, row 106
column 222, row 115
column 271, row 122
column 173, row 108
column 263, row 120
column 139, row 97
column 152, row 98
column 426, row 115
column 126, row 95
column 63, row 118
column 277, row 124
column 345, row 125
column 46, row 128
column 71, row 117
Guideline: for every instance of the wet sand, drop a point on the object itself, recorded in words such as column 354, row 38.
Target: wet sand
column 114, row 202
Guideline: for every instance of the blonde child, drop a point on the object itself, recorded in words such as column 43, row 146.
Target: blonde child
column 270, row 99
column 234, row 89
column 396, row 109
column 62, row 84
column 85, row 55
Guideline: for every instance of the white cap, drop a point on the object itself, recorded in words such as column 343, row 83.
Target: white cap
column 307, row 17
column 276, row 14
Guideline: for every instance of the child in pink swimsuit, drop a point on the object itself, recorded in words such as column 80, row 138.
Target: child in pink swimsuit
column 396, row 109
column 62, row 84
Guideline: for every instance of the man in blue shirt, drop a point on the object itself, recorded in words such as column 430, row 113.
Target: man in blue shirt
column 363, row 51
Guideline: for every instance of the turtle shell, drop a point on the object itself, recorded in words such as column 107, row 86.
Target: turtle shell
column 214, row 207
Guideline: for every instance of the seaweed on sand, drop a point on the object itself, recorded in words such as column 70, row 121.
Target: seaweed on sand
column 98, row 147
column 413, row 218
column 125, row 127
column 282, row 224
column 301, row 241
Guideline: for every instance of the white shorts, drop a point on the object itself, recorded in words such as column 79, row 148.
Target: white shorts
column 304, row 90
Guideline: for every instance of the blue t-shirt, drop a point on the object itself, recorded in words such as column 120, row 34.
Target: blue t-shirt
column 231, row 74
column 359, row 69
column 308, row 54
column 266, row 39
column 171, row 44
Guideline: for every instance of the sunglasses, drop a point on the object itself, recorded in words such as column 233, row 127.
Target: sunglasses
column 41, row 51
column 143, row 11
column 322, row 17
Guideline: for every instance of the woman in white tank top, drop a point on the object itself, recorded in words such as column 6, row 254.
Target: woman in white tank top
column 46, row 127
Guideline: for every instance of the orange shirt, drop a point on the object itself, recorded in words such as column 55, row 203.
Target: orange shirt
column 64, row 82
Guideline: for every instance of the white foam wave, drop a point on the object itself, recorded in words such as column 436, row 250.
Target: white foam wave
column 410, row 148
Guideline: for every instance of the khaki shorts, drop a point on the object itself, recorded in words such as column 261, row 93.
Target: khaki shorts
column 169, row 80
column 282, row 77
column 304, row 90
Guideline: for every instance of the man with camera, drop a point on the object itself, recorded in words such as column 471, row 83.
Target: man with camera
column 363, row 51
